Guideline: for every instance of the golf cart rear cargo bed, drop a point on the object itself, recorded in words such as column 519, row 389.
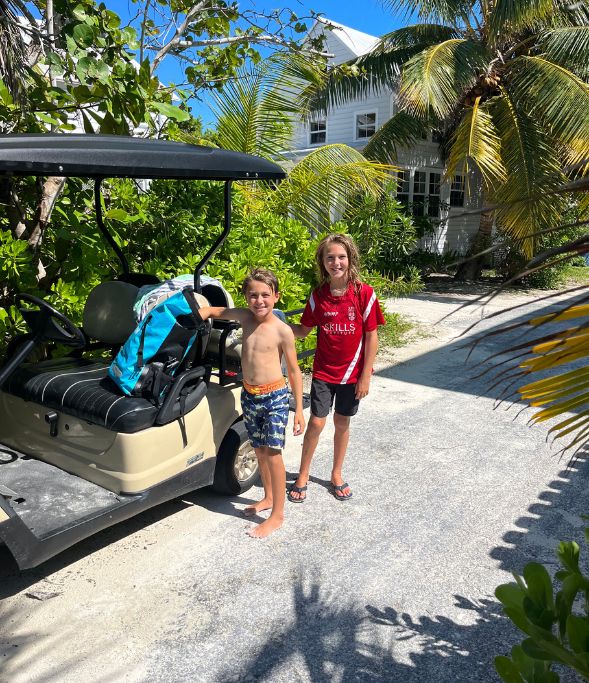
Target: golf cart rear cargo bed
column 47, row 498
column 48, row 509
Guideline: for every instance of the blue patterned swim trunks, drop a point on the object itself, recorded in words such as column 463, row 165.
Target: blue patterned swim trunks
column 265, row 417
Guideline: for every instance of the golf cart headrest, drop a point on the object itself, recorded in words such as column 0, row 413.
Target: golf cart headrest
column 108, row 314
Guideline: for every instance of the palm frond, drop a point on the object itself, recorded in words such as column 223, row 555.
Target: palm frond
column 527, row 201
column 476, row 142
column 324, row 183
column 405, row 42
column 445, row 10
column 569, row 47
column 256, row 111
column 14, row 52
column 378, row 69
column 401, row 130
column 556, row 97
column 559, row 393
column 509, row 17
column 435, row 79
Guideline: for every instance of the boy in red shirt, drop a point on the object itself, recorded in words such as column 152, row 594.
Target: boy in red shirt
column 347, row 313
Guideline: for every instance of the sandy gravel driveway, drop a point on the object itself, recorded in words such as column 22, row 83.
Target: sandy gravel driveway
column 395, row 585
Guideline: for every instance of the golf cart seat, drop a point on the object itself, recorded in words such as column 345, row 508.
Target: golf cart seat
column 80, row 387
column 108, row 313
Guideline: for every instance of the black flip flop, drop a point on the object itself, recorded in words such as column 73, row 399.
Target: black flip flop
column 345, row 496
column 297, row 489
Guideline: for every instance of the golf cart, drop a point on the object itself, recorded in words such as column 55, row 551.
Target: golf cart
column 77, row 454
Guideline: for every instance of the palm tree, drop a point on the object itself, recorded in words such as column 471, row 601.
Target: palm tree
column 505, row 80
column 256, row 114
column 15, row 49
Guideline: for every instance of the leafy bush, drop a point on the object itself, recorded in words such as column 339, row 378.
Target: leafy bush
column 385, row 234
column 557, row 626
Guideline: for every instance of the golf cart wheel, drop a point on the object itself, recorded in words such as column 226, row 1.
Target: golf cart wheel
column 237, row 468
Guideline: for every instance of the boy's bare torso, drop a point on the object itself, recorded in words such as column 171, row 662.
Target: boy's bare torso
column 261, row 349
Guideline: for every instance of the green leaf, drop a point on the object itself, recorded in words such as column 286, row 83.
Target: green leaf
column 507, row 670
column 117, row 215
column 171, row 111
column 510, row 595
column 80, row 13
column 48, row 119
column 5, row 95
column 577, row 630
column 535, row 650
column 568, row 554
column 83, row 35
column 539, row 584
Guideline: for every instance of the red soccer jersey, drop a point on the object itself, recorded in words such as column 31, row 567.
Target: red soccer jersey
column 342, row 322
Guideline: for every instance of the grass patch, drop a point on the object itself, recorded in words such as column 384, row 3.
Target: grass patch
column 575, row 275
column 396, row 331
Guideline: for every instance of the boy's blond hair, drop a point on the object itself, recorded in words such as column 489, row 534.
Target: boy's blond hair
column 351, row 249
column 260, row 275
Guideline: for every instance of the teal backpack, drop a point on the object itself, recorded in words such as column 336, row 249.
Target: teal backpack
column 159, row 346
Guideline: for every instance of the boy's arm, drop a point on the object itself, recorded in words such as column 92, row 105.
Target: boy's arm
column 295, row 379
column 299, row 330
column 370, row 349
column 223, row 313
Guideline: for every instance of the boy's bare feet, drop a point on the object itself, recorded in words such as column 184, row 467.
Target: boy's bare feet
column 264, row 504
column 266, row 528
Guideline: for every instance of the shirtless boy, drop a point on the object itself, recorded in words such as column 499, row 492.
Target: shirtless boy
column 264, row 397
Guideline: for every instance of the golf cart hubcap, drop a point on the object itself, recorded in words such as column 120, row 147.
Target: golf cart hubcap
column 246, row 463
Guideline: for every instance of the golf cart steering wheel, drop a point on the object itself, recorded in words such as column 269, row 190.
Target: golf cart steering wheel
column 48, row 324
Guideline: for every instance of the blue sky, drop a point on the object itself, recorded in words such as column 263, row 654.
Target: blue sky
column 368, row 16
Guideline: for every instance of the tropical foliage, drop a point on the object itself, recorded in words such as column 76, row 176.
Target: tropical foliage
column 556, row 625
column 504, row 81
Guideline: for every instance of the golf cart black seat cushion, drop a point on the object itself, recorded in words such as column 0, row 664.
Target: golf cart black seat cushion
column 81, row 388
column 108, row 313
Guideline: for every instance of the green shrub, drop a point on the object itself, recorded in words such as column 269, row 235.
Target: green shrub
column 557, row 626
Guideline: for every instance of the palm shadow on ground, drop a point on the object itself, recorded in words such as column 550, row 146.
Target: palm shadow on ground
column 335, row 636
column 343, row 640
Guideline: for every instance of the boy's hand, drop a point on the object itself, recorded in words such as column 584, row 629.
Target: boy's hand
column 362, row 386
column 299, row 423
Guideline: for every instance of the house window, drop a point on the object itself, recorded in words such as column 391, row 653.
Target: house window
column 424, row 200
column 437, row 136
column 433, row 200
column 419, row 185
column 457, row 191
column 365, row 126
column 318, row 132
column 403, row 187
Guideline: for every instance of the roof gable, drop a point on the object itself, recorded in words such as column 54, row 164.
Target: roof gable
column 343, row 42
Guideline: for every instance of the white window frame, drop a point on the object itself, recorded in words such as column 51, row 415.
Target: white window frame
column 318, row 144
column 355, row 129
column 410, row 175
column 455, row 190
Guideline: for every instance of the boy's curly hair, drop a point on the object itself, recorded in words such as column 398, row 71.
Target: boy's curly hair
column 351, row 249
column 260, row 275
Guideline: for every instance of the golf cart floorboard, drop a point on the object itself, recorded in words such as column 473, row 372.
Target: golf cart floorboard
column 48, row 499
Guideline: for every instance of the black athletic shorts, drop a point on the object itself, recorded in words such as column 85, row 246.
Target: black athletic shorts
column 323, row 394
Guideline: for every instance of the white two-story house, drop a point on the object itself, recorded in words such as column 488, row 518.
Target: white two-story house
column 421, row 185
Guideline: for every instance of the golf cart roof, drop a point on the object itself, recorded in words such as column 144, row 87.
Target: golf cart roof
column 111, row 156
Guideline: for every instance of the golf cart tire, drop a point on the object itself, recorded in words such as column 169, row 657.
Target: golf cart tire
column 226, row 481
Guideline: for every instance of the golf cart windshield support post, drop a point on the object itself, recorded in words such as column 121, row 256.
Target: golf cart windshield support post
column 109, row 238
column 220, row 239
